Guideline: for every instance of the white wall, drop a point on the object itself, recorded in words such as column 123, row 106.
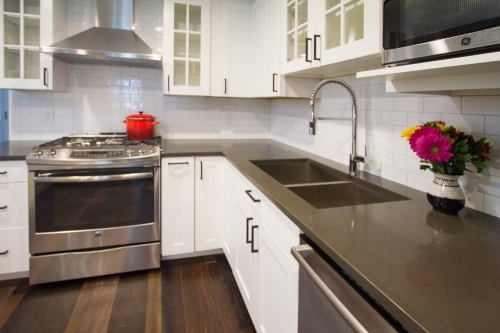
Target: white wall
column 382, row 117
column 99, row 98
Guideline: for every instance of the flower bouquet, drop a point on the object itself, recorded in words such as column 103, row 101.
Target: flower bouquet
column 446, row 151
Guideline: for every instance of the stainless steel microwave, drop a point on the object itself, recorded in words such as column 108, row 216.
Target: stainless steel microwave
column 423, row 30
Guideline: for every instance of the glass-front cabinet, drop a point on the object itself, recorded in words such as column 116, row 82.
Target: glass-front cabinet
column 26, row 25
column 325, row 32
column 298, row 27
column 187, row 47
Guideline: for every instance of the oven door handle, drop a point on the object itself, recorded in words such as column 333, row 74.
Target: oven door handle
column 92, row 179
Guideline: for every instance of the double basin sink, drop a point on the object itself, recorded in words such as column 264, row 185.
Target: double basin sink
column 322, row 186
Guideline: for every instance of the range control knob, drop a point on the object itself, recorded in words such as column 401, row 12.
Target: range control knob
column 37, row 153
column 141, row 151
column 152, row 151
column 130, row 151
column 52, row 152
column 97, row 234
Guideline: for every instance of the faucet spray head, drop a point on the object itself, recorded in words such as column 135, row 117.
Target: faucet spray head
column 312, row 126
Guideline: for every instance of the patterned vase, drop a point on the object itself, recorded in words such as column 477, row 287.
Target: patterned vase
column 445, row 194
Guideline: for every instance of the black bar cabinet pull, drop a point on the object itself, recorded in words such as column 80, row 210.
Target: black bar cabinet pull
column 308, row 40
column 248, row 222
column 315, row 46
column 3, row 207
column 225, row 86
column 253, row 239
column 177, row 163
column 46, row 76
column 201, row 169
column 275, row 75
column 253, row 199
column 168, row 82
column 3, row 173
column 4, row 253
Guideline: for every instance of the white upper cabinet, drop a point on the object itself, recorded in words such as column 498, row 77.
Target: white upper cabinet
column 231, row 49
column 26, row 25
column 186, row 39
column 296, row 36
column 266, row 25
column 331, row 37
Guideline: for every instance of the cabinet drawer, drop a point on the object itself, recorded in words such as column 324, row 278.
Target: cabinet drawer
column 248, row 192
column 15, row 241
column 13, row 205
column 13, row 172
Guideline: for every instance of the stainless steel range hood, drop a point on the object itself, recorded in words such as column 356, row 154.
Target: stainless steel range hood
column 110, row 42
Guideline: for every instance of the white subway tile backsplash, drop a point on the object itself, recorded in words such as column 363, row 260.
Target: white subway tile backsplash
column 492, row 205
column 484, row 105
column 411, row 104
column 467, row 123
column 442, row 104
column 492, row 125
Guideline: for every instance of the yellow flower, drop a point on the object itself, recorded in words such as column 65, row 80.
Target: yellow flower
column 407, row 133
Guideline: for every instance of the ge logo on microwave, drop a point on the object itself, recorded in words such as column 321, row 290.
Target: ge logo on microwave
column 465, row 41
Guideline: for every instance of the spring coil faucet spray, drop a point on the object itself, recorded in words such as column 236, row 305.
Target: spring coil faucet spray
column 353, row 157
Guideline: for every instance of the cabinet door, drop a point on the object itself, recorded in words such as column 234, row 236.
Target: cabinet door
column 13, row 172
column 177, row 209
column 279, row 286
column 297, row 35
column 266, row 26
column 186, row 42
column 14, row 250
column 347, row 30
column 209, row 203
column 229, row 242
column 27, row 25
column 247, row 262
column 13, row 205
column 231, row 52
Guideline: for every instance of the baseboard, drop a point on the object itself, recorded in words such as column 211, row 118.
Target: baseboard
column 193, row 254
column 13, row 276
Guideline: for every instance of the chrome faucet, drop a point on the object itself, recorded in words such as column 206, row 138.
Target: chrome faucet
column 353, row 157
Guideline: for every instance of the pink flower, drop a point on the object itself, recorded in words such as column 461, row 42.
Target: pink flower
column 434, row 148
column 424, row 131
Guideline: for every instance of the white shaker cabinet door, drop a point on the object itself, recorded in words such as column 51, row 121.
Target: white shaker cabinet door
column 209, row 203
column 177, row 206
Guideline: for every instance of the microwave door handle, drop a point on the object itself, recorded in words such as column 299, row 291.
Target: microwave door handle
column 92, row 179
column 301, row 251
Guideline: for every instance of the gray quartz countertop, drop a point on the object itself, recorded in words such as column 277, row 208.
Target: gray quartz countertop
column 432, row 272
column 16, row 150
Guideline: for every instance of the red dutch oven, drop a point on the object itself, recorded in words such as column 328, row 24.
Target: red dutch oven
column 140, row 126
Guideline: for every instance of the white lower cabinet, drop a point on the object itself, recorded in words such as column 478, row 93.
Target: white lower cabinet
column 264, row 269
column 209, row 203
column 279, row 285
column 192, row 206
column 177, row 205
column 14, row 248
column 246, row 269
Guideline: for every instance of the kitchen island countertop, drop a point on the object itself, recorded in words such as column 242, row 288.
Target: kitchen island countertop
column 432, row 272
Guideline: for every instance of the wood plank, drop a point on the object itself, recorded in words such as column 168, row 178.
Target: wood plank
column 173, row 319
column 129, row 307
column 47, row 306
column 17, row 289
column 212, row 310
column 153, row 307
column 93, row 307
column 195, row 303
column 238, row 307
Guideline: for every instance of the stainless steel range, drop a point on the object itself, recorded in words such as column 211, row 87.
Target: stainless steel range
column 94, row 206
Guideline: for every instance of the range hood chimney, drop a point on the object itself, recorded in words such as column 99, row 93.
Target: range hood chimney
column 110, row 42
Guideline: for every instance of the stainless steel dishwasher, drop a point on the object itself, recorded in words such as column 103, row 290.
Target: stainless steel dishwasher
column 328, row 303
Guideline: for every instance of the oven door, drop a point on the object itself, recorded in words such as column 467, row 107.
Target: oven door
column 89, row 209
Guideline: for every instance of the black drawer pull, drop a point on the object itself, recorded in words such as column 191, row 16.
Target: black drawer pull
column 3, row 173
column 177, row 163
column 253, row 199
column 4, row 253
column 248, row 222
column 253, row 239
column 3, row 207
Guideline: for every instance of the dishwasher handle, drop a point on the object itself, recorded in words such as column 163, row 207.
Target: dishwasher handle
column 301, row 251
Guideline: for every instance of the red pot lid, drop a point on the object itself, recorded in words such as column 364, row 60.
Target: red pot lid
column 140, row 116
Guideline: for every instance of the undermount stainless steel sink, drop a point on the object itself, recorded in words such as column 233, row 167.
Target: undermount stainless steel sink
column 325, row 187
column 300, row 171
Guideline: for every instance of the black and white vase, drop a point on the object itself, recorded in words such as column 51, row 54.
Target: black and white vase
column 445, row 194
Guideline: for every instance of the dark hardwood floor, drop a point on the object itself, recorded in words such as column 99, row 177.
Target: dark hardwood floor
column 185, row 295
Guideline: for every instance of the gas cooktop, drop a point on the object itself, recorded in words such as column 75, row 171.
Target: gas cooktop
column 96, row 149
